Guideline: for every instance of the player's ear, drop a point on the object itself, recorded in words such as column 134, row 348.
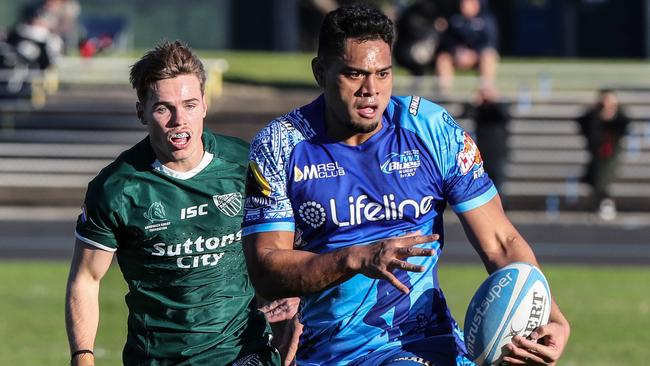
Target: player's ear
column 318, row 69
column 204, row 100
column 139, row 109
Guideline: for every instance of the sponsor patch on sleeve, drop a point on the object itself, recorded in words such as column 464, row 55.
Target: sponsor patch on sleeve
column 469, row 156
column 256, row 184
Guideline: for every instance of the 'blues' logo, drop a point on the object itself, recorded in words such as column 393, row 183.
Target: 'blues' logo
column 406, row 163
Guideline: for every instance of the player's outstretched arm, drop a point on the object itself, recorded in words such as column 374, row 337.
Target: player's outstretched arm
column 88, row 266
column 277, row 270
column 498, row 244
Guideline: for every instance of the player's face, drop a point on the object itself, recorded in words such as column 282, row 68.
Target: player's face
column 357, row 88
column 174, row 113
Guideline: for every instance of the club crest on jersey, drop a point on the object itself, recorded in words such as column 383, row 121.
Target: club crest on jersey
column 406, row 163
column 317, row 171
column 469, row 156
column 157, row 217
column 228, row 204
column 155, row 213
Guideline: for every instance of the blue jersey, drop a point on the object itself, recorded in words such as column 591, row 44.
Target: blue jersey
column 333, row 195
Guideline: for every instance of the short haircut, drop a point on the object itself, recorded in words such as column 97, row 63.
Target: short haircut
column 359, row 21
column 165, row 61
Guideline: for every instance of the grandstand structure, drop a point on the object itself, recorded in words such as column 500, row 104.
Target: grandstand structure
column 49, row 152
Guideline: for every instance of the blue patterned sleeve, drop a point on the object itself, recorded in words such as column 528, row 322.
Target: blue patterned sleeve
column 267, row 206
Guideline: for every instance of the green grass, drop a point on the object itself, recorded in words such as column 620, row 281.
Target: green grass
column 32, row 327
column 609, row 308
column 268, row 68
column 293, row 69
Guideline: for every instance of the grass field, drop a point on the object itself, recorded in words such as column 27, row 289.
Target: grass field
column 294, row 69
column 609, row 308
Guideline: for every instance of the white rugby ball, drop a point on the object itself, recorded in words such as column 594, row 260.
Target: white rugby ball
column 514, row 300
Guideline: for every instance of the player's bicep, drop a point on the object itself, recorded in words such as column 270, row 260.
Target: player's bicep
column 89, row 263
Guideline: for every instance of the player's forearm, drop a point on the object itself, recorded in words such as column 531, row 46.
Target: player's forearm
column 290, row 273
column 507, row 250
column 556, row 316
column 82, row 314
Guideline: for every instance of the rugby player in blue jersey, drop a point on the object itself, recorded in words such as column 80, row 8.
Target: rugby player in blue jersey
column 344, row 208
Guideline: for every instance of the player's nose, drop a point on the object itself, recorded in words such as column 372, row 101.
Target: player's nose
column 368, row 86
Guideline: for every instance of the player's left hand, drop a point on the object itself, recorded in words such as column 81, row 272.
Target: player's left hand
column 544, row 347
column 281, row 309
column 290, row 337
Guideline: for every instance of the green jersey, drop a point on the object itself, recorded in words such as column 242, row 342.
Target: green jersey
column 177, row 239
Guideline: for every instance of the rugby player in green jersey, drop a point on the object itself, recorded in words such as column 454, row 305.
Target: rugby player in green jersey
column 169, row 209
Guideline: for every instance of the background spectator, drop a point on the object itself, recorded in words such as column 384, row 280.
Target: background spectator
column 470, row 41
column 491, row 118
column 603, row 125
column 63, row 17
column 33, row 40
column 418, row 36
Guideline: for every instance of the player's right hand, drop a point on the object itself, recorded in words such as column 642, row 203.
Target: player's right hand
column 379, row 259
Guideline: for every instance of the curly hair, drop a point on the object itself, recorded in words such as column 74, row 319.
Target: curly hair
column 165, row 61
column 359, row 21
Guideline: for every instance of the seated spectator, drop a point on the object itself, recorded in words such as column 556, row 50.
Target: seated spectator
column 470, row 41
column 418, row 28
column 603, row 125
column 33, row 40
column 63, row 18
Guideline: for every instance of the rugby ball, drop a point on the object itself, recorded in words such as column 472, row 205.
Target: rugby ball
column 514, row 300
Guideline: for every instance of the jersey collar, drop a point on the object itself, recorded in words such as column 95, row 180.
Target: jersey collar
column 205, row 161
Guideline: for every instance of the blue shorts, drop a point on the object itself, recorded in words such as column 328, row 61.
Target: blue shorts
column 412, row 357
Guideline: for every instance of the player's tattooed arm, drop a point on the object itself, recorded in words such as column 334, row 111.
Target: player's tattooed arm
column 277, row 270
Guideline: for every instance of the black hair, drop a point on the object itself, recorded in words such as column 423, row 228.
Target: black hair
column 360, row 21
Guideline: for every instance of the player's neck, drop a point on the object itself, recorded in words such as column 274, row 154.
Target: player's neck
column 340, row 132
column 184, row 165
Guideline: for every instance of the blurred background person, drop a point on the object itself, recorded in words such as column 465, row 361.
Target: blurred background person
column 33, row 40
column 603, row 125
column 311, row 13
column 470, row 41
column 63, row 18
column 418, row 34
column 491, row 118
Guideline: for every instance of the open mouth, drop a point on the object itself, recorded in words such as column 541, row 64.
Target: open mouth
column 180, row 140
column 367, row 111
